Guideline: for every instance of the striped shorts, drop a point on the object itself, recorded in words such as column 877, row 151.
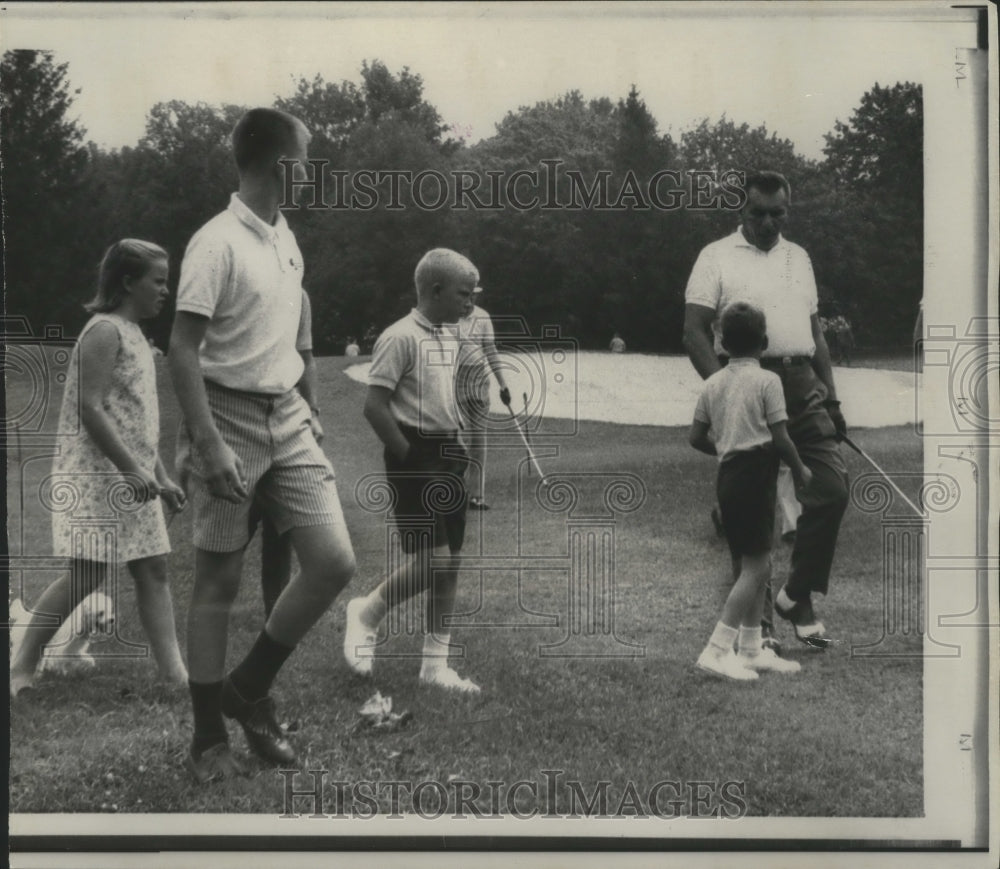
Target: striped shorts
column 285, row 468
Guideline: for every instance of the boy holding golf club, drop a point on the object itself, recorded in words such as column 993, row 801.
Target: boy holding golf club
column 412, row 408
column 743, row 406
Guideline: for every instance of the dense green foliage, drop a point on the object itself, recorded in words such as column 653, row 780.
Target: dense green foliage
column 595, row 253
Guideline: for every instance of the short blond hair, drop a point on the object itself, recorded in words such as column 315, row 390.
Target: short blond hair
column 438, row 265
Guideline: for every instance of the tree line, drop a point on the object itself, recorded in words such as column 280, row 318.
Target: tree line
column 590, row 244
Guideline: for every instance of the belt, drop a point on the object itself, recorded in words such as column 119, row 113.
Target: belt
column 260, row 396
column 785, row 361
column 412, row 433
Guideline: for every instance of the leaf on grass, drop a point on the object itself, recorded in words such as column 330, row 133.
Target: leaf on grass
column 377, row 714
column 376, row 705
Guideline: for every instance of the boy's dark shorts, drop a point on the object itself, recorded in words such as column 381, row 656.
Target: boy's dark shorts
column 747, row 490
column 429, row 486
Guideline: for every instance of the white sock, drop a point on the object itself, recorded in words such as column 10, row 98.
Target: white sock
column 374, row 609
column 722, row 638
column 783, row 600
column 751, row 641
column 436, row 648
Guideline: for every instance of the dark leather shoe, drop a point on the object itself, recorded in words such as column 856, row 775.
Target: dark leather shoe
column 808, row 629
column 264, row 735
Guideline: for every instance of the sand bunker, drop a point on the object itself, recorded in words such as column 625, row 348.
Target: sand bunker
column 661, row 390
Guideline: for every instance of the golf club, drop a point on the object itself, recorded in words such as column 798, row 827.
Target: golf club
column 885, row 476
column 527, row 438
column 524, row 440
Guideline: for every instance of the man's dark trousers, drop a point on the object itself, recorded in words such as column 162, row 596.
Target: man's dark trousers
column 823, row 505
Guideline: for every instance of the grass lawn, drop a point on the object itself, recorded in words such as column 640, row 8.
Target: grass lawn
column 897, row 359
column 842, row 738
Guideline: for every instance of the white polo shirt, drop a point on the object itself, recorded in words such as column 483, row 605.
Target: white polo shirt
column 416, row 360
column 738, row 403
column 246, row 277
column 779, row 281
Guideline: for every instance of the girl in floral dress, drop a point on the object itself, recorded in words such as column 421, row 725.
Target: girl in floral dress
column 107, row 481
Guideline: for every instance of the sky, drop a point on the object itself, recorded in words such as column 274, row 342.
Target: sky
column 794, row 68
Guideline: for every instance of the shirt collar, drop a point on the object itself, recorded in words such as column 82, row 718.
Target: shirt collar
column 427, row 325
column 744, row 362
column 740, row 241
column 253, row 222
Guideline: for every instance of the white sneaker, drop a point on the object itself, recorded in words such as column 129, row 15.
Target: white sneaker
column 767, row 661
column 727, row 665
column 356, row 638
column 445, row 677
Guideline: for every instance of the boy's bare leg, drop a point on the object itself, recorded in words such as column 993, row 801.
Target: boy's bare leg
column 434, row 669
column 746, row 596
column 417, row 574
column 365, row 614
column 752, row 653
column 411, row 578
column 443, row 589
column 741, row 610
column 326, row 562
column 156, row 612
column 216, row 583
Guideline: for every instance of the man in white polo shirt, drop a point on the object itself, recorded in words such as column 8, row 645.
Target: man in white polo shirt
column 758, row 266
column 246, row 434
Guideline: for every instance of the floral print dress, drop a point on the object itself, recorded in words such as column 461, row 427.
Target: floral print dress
column 96, row 514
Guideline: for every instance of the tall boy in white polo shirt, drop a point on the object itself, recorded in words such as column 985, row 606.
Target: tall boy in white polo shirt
column 743, row 407
column 246, row 433
column 412, row 408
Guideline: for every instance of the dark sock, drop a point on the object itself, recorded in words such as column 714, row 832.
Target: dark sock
column 209, row 726
column 253, row 677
